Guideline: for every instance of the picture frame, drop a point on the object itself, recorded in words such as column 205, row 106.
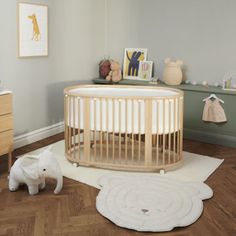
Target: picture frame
column 32, row 30
column 145, row 70
column 132, row 57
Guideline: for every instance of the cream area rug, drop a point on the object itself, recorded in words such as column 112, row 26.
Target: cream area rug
column 147, row 201
column 196, row 168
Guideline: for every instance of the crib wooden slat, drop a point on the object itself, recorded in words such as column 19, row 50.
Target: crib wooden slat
column 113, row 129
column 100, row 100
column 164, row 130
column 178, row 127
column 79, row 114
column 126, row 128
column 69, row 138
column 86, row 129
column 169, row 131
column 107, row 122
column 66, row 121
column 148, row 132
column 132, row 144
column 119, row 105
column 174, row 137
column 74, row 141
column 139, row 130
column 95, row 129
column 157, row 144
column 181, row 127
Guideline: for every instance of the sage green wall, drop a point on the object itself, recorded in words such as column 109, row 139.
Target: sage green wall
column 195, row 128
column 201, row 33
column 76, row 44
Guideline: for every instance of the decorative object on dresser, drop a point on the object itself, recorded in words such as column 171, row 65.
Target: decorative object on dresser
column 6, row 125
column 172, row 74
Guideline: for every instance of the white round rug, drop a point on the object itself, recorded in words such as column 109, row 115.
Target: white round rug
column 150, row 203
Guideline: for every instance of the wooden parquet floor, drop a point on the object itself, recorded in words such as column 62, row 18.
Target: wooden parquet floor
column 73, row 211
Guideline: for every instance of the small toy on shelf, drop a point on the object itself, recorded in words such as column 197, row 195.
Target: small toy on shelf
column 104, row 68
column 187, row 81
column 193, row 82
column 154, row 80
column 216, row 84
column 172, row 74
column 115, row 73
column 205, row 83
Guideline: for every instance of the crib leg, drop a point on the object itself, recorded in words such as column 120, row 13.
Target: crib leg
column 162, row 172
column 75, row 164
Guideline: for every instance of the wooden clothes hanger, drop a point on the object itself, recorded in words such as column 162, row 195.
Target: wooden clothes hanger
column 213, row 96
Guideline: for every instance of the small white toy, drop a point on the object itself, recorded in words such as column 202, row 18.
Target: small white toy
column 204, row 83
column 32, row 170
column 187, row 81
column 194, row 82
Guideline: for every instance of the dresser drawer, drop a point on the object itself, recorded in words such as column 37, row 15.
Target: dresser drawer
column 5, row 122
column 5, row 104
column 6, row 141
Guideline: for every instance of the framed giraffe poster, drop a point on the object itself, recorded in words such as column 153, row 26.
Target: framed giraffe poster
column 32, row 30
column 132, row 58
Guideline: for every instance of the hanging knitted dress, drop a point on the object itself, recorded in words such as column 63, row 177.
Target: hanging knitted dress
column 213, row 112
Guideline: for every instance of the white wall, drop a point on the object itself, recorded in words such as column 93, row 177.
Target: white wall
column 123, row 26
column 78, row 38
column 81, row 32
column 76, row 44
column 201, row 32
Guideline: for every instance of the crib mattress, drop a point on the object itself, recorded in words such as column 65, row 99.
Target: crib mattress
column 123, row 110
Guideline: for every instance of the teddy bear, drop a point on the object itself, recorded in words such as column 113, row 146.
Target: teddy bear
column 115, row 73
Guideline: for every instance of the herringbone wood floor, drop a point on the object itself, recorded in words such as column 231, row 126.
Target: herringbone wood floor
column 73, row 212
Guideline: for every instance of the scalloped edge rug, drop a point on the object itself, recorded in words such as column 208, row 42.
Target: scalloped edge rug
column 150, row 204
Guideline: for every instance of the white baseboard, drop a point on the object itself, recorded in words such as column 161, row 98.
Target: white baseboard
column 37, row 135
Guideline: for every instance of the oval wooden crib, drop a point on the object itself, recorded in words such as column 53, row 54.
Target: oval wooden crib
column 135, row 128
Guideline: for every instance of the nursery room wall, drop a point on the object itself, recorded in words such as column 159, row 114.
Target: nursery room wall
column 76, row 44
column 201, row 33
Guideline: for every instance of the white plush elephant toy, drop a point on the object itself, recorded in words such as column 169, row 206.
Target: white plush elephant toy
column 32, row 170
